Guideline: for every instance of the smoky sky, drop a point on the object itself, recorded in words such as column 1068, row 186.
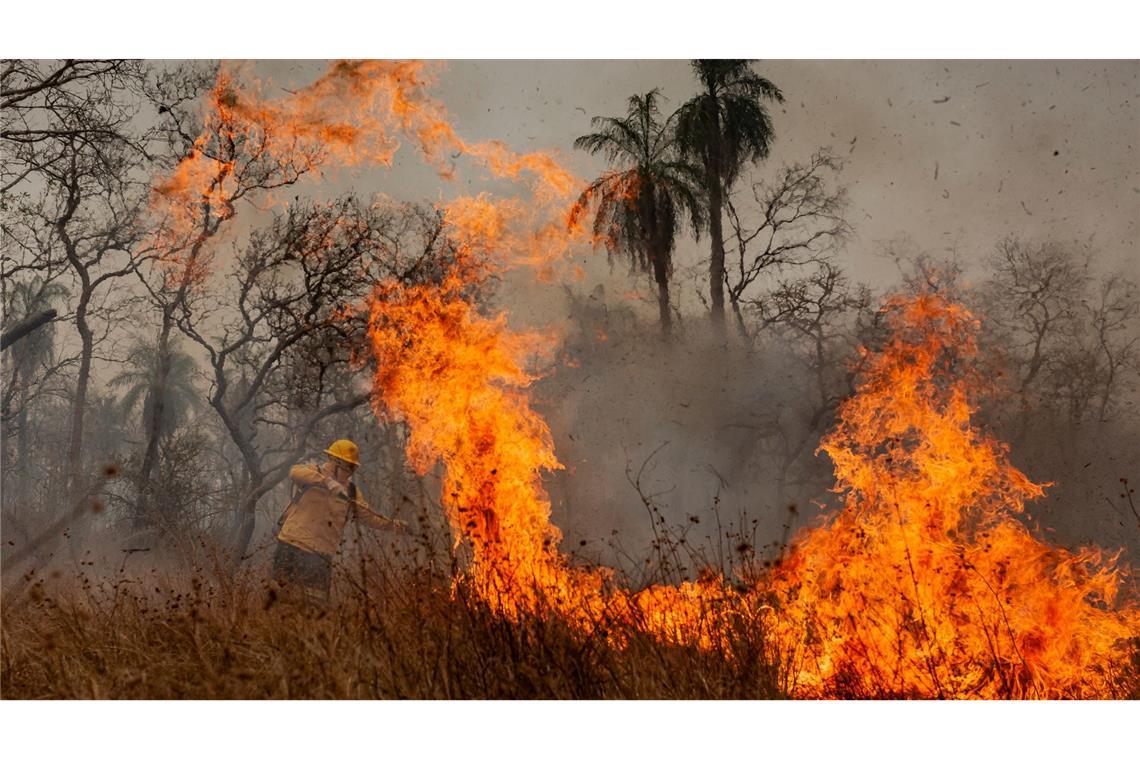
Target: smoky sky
column 953, row 155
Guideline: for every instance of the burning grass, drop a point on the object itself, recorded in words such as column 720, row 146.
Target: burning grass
column 392, row 631
column 404, row 633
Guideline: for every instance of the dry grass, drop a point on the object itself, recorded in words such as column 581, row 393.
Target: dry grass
column 397, row 627
column 405, row 633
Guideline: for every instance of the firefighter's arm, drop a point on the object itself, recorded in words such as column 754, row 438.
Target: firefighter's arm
column 307, row 474
column 375, row 520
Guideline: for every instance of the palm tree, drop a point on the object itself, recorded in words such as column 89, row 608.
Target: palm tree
column 641, row 203
column 178, row 394
column 27, row 360
column 166, row 403
column 723, row 128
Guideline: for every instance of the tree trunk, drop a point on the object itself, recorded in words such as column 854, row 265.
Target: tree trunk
column 158, row 396
column 23, row 478
column 657, row 251
column 77, row 480
column 246, row 522
column 154, row 423
column 715, row 185
column 252, row 490
column 76, row 489
column 1109, row 381
column 661, row 276
column 741, row 326
column 716, row 257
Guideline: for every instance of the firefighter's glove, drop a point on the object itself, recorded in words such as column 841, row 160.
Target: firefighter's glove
column 336, row 488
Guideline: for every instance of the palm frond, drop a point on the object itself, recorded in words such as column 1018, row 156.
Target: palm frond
column 728, row 119
column 639, row 207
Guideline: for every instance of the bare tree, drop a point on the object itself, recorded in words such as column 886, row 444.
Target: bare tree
column 281, row 338
column 820, row 318
column 239, row 164
column 1067, row 338
column 800, row 220
column 52, row 108
column 1113, row 317
column 75, row 179
column 1035, row 295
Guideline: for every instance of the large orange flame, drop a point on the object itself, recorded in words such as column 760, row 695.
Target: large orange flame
column 926, row 584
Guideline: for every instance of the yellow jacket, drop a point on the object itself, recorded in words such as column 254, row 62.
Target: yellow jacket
column 315, row 518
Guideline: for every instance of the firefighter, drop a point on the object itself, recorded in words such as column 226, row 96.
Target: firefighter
column 309, row 535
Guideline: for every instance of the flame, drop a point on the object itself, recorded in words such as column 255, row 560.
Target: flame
column 455, row 378
column 353, row 114
column 926, row 584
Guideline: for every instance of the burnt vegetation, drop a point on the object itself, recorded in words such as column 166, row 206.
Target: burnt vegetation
column 164, row 366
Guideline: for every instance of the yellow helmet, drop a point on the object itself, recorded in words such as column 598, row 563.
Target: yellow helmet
column 344, row 450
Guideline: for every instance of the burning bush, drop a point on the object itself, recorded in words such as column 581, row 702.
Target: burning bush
column 927, row 584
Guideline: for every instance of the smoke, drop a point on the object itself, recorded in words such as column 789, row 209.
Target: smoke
column 681, row 430
column 721, row 439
